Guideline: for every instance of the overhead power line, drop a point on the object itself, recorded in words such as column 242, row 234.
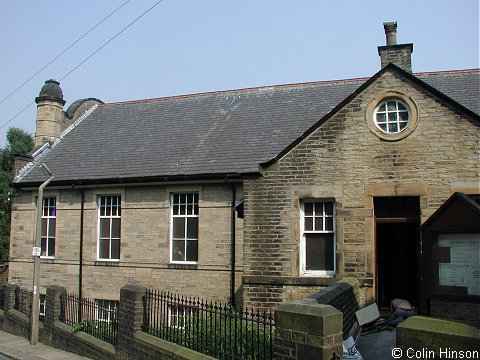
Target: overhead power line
column 89, row 56
column 64, row 51
column 111, row 39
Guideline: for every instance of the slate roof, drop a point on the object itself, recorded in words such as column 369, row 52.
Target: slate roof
column 209, row 135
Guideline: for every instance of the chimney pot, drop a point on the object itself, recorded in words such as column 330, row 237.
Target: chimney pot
column 391, row 32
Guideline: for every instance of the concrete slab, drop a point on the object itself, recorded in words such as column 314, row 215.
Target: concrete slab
column 377, row 345
column 17, row 347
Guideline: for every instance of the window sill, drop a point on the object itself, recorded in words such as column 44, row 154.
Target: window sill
column 290, row 280
column 107, row 262
column 47, row 260
column 183, row 266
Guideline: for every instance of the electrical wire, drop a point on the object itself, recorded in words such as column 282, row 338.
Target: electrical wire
column 89, row 56
column 111, row 39
column 63, row 52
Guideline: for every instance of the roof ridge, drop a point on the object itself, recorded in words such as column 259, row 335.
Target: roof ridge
column 255, row 88
column 459, row 71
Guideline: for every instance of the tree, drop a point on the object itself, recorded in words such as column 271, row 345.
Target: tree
column 19, row 142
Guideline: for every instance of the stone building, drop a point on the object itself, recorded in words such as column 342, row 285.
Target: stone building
column 256, row 195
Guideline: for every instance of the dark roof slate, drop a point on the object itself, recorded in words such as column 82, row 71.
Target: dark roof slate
column 215, row 134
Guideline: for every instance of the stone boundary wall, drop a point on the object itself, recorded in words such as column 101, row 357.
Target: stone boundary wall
column 311, row 328
column 344, row 296
column 3, row 273
column 132, row 344
column 430, row 338
column 315, row 327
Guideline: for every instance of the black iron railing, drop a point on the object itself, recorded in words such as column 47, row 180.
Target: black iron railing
column 23, row 301
column 95, row 317
column 218, row 330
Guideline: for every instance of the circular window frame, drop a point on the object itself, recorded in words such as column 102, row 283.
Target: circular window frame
column 397, row 96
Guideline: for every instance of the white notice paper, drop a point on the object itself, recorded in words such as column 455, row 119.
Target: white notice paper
column 452, row 275
column 474, row 280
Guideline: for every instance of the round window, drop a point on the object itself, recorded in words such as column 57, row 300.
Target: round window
column 391, row 116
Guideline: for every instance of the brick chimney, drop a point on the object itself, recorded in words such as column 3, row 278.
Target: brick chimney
column 400, row 55
column 49, row 113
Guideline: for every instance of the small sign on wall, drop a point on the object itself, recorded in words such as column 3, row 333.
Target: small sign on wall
column 36, row 251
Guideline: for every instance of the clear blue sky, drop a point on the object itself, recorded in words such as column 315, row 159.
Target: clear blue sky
column 187, row 46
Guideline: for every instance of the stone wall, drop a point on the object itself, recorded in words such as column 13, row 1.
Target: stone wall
column 344, row 160
column 145, row 243
column 454, row 310
column 132, row 342
column 421, row 337
column 3, row 273
column 315, row 327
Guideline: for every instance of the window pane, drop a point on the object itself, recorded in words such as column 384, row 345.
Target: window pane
column 192, row 228
column 44, row 246
column 382, row 108
column 308, row 208
column 392, row 117
column 116, row 228
column 381, row 118
column 103, row 251
column 383, row 127
column 44, row 227
column 115, row 249
column 393, row 128
column 318, row 208
column 319, row 252
column 392, row 106
column 319, row 224
column 183, row 209
column 52, row 211
column 329, row 208
column 192, row 250
column 176, row 209
column 403, row 116
column 308, row 224
column 178, row 250
column 401, row 107
column 51, row 247
column 51, row 227
column 179, row 228
column 104, row 228
column 329, row 224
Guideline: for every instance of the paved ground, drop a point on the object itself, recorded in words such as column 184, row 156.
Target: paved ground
column 17, row 347
column 377, row 345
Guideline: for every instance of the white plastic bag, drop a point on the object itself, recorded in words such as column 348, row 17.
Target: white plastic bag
column 350, row 351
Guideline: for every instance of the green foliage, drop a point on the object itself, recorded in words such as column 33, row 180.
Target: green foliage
column 220, row 331
column 19, row 142
column 103, row 330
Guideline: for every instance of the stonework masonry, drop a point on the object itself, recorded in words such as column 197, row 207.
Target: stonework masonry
column 343, row 160
column 145, row 244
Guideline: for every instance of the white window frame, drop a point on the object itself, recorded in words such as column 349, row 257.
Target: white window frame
column 46, row 215
column 186, row 216
column 105, row 307
column 303, row 242
column 176, row 316
column 104, row 216
column 42, row 303
column 398, row 121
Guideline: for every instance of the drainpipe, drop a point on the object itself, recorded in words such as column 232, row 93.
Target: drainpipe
column 80, row 260
column 36, row 262
column 232, row 248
